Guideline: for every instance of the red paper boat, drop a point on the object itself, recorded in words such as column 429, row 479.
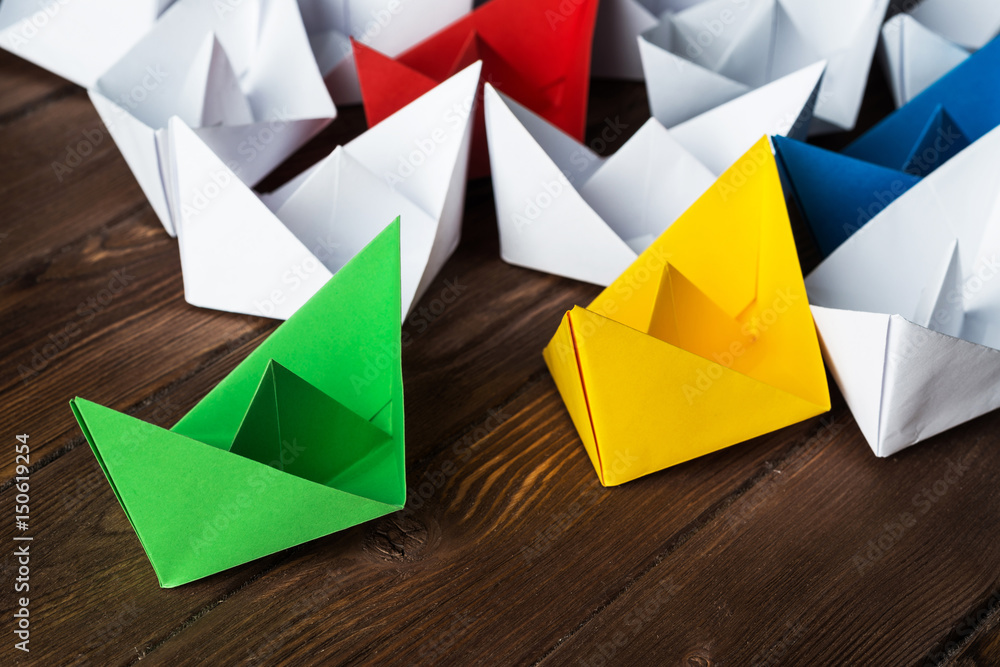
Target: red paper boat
column 535, row 51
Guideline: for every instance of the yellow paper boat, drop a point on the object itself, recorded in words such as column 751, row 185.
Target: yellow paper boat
column 705, row 341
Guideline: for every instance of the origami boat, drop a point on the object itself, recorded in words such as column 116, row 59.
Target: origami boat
column 387, row 25
column 717, row 50
column 267, row 256
column 839, row 193
column 304, row 438
column 535, row 51
column 241, row 74
column 77, row 40
column 908, row 308
column 563, row 209
column 704, row 342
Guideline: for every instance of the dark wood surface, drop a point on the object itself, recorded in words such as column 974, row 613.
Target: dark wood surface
column 758, row 554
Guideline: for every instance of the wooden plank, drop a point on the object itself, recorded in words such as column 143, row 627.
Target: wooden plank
column 518, row 546
column 516, row 554
column 107, row 322
column 50, row 199
column 94, row 598
column 24, row 86
column 983, row 641
column 847, row 558
column 147, row 349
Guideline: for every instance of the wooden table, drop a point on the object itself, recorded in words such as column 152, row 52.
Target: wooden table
column 799, row 547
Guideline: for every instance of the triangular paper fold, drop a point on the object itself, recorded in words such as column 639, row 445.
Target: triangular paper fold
column 836, row 194
column 908, row 309
column 712, row 52
column 243, row 76
column 914, row 56
column 536, row 51
column 785, row 107
column 564, row 210
column 706, row 340
column 268, row 256
column 969, row 23
column 299, row 441
column 389, row 26
column 967, row 94
column 77, row 40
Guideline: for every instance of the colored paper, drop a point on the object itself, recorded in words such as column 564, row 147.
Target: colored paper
column 302, row 439
column 718, row 50
column 78, row 40
column 908, row 308
column 563, row 209
column 705, row 341
column 390, row 26
column 267, row 256
column 956, row 110
column 836, row 194
column 839, row 193
column 535, row 51
column 241, row 74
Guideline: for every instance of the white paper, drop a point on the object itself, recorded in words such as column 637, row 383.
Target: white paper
column 76, row 39
column 968, row 23
column 563, row 209
column 913, row 56
column 716, row 50
column 720, row 136
column 619, row 23
column 268, row 255
column 389, row 26
column 241, row 74
column 908, row 308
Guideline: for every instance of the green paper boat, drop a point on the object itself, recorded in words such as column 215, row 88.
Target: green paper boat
column 302, row 439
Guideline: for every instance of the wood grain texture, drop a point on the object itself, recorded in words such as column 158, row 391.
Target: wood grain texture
column 789, row 549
